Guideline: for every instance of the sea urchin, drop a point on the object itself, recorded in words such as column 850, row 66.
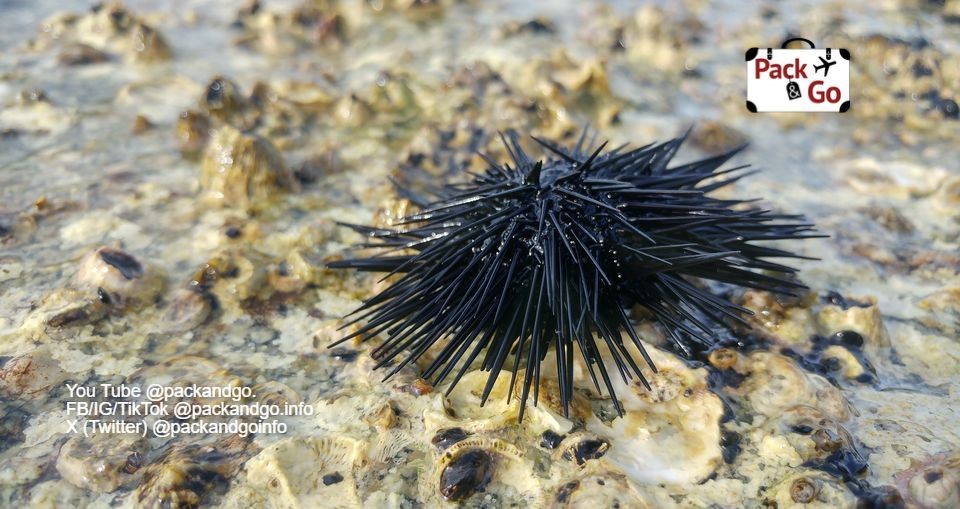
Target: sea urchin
column 535, row 255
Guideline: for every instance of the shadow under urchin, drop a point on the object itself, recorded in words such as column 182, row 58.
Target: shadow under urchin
column 550, row 254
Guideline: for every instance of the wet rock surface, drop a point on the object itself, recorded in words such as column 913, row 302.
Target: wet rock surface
column 170, row 184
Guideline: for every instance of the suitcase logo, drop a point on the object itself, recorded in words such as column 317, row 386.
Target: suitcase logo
column 798, row 79
column 793, row 90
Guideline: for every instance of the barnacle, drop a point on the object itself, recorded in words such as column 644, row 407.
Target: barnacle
column 102, row 462
column 243, row 170
column 539, row 255
column 311, row 472
column 108, row 280
column 184, row 475
column 598, row 488
column 469, row 465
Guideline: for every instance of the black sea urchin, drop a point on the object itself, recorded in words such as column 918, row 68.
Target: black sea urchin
column 554, row 252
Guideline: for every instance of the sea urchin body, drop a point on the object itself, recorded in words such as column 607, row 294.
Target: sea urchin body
column 535, row 256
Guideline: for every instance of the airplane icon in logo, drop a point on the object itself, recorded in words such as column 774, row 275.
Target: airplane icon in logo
column 825, row 65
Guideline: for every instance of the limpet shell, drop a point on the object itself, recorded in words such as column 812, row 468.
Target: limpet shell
column 192, row 131
column 67, row 307
column 548, row 410
column 391, row 211
column 108, row 281
column 446, row 437
column 777, row 320
column 804, row 490
column 383, row 417
column 147, row 44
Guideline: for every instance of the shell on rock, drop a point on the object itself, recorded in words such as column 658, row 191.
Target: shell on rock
column 187, row 309
column 309, row 25
column 396, row 92
column 864, row 319
column 464, row 475
column 224, row 101
column 107, row 281
column 81, row 54
column 598, row 488
column 462, row 407
column 446, row 437
column 932, row 484
column 472, row 464
column 185, row 371
column 118, row 277
column 656, row 40
column 383, row 417
column 847, row 364
column 30, row 375
column 353, row 111
column 107, row 27
column 192, row 131
column 276, row 393
column 232, row 275
column 948, row 196
column 581, row 448
column 243, row 170
column 776, row 383
column 777, row 320
column 391, row 211
column 291, row 472
column 296, row 272
column 147, row 44
column 814, row 434
column 670, row 433
column 68, row 307
column 102, row 462
column 182, row 476
column 810, row 489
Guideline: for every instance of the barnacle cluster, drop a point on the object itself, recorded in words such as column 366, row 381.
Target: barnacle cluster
column 95, row 36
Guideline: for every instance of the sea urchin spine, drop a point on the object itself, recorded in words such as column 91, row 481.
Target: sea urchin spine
column 554, row 252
